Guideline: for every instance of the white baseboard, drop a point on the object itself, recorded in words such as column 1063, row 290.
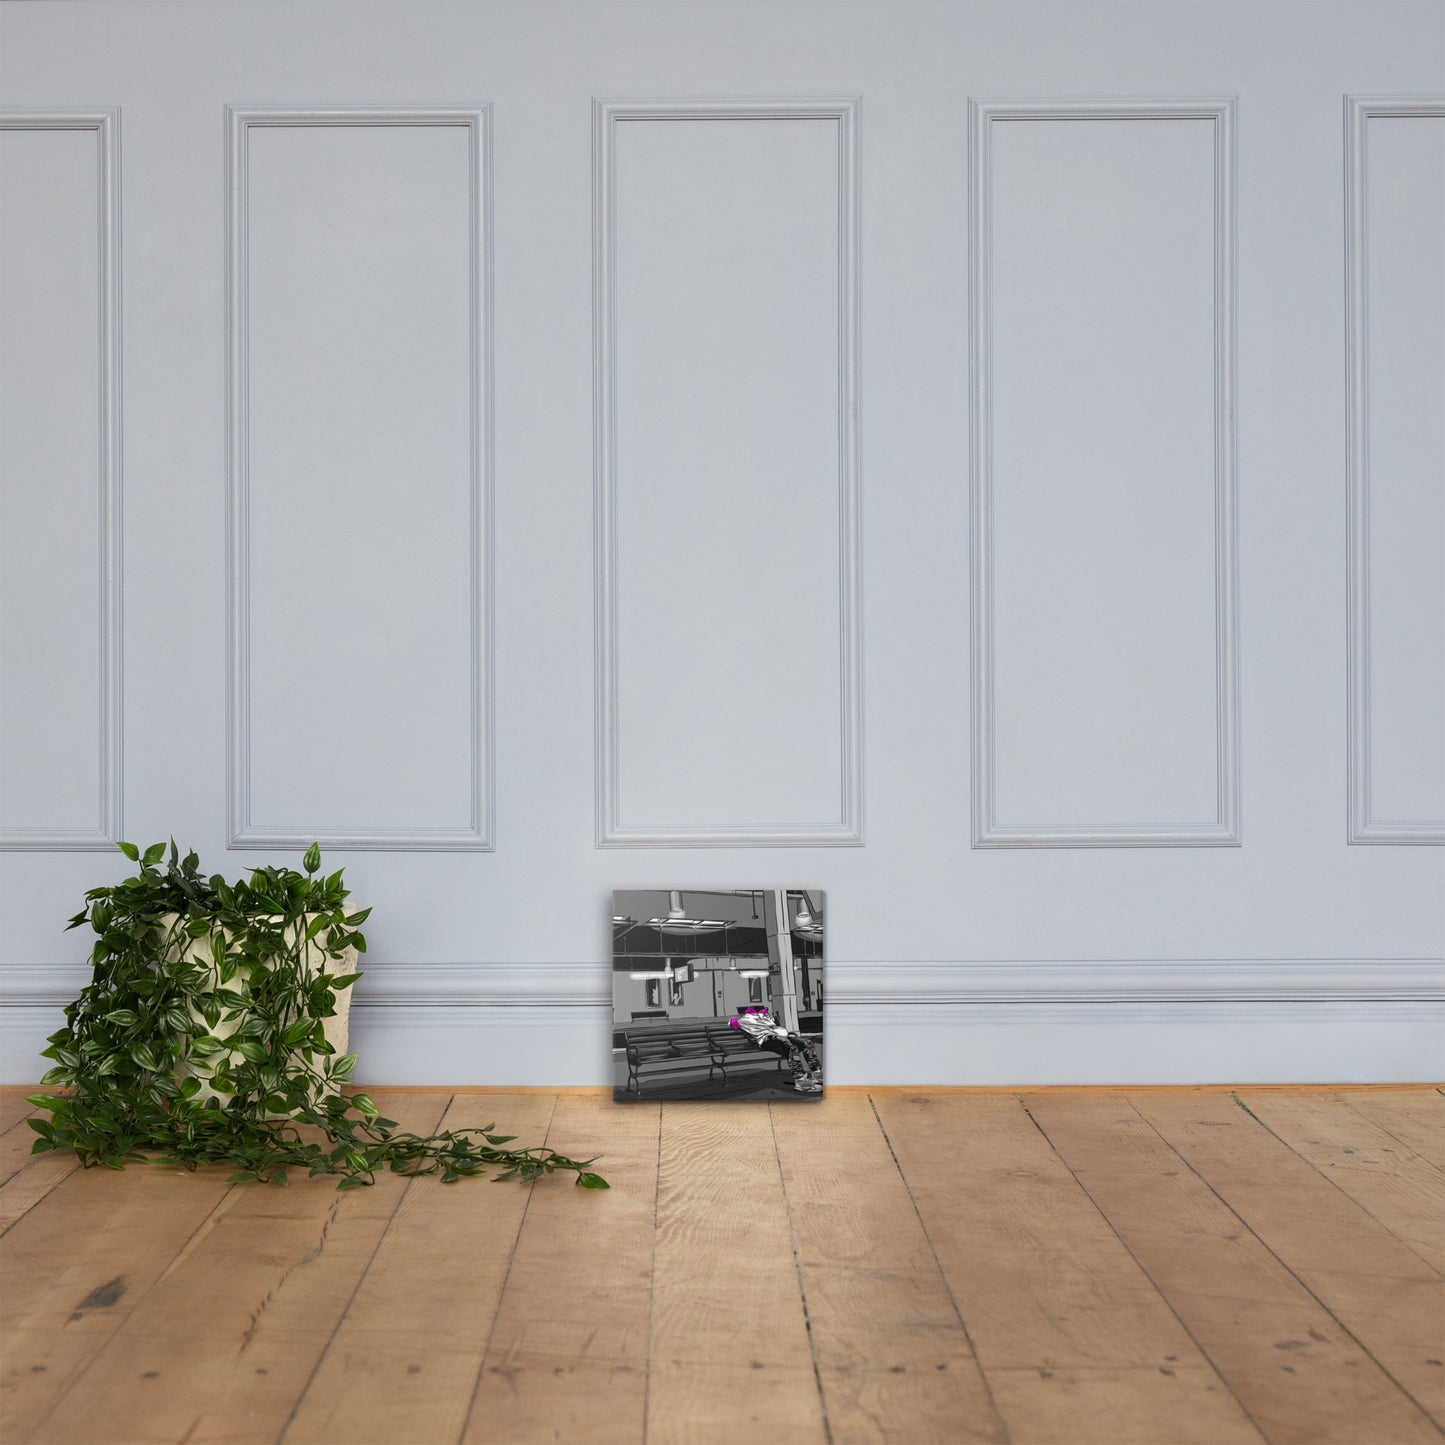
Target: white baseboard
column 1117, row 1021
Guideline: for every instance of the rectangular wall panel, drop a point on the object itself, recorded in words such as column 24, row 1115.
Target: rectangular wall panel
column 360, row 489
column 60, row 643
column 1395, row 229
column 727, row 474
column 1104, row 537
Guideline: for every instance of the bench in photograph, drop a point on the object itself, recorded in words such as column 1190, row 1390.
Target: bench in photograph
column 734, row 1051
column 680, row 1052
column 673, row 1053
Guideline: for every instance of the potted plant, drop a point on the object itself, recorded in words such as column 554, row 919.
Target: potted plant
column 214, row 1031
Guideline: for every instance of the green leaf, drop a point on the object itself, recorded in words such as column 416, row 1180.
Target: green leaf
column 153, row 855
column 312, row 859
column 125, row 1017
column 130, row 850
column 352, row 1182
column 345, row 981
column 592, row 1181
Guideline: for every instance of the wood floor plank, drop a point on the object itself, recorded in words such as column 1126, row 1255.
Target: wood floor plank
column 1416, row 1119
column 1125, row 1406
column 889, row 1340
column 1379, row 1289
column 15, row 1146
column 226, row 1340
column 13, row 1108
column 1379, row 1173
column 1299, row 1375
column 567, row 1356
column 729, row 1334
column 704, row 1401
column 33, row 1177
column 410, row 1344
column 756, row 1272
column 1040, row 1278
column 78, row 1264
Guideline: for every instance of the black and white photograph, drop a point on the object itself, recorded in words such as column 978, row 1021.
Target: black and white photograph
column 717, row 994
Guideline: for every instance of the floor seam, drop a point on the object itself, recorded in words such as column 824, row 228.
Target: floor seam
column 942, row 1273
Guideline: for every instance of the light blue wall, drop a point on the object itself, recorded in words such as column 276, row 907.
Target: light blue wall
column 810, row 467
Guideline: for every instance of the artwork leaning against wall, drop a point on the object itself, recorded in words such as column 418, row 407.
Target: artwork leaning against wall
column 717, row 994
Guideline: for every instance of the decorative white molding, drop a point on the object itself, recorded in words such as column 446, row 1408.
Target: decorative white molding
column 102, row 838
column 612, row 831
column 1125, row 982
column 988, row 830
column 994, row 984
column 244, row 831
column 1119, row 1022
column 1363, row 827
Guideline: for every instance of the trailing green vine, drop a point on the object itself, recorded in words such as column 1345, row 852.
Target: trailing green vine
column 201, row 1038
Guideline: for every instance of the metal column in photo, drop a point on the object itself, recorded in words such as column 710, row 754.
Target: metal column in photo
column 780, row 957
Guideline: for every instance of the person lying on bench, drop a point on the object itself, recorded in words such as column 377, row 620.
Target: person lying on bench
column 767, row 1033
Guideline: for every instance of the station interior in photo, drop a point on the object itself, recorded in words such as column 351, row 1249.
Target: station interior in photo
column 687, row 960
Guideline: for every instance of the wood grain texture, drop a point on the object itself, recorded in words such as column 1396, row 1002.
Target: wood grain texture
column 404, row 1358
column 13, row 1108
column 1122, row 1406
column 888, row 1335
column 26, row 1178
column 1375, row 1169
column 1416, row 1119
column 1383, row 1293
column 78, row 1264
column 568, row 1352
column 1059, row 1268
column 730, row 1350
column 1300, row 1376
column 1040, row 1277
column 227, row 1339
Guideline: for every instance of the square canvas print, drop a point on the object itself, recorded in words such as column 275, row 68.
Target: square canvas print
column 717, row 994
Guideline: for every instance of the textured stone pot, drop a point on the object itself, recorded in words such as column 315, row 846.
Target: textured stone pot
column 198, row 951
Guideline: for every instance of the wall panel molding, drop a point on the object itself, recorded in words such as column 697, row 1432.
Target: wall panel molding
column 989, row 831
column 244, row 830
column 1363, row 826
column 104, row 835
column 867, row 984
column 612, row 830
column 1110, row 1022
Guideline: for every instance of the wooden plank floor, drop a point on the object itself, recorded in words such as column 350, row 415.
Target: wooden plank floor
column 1051, row 1267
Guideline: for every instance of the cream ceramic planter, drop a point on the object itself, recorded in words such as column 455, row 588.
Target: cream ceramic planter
column 315, row 959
